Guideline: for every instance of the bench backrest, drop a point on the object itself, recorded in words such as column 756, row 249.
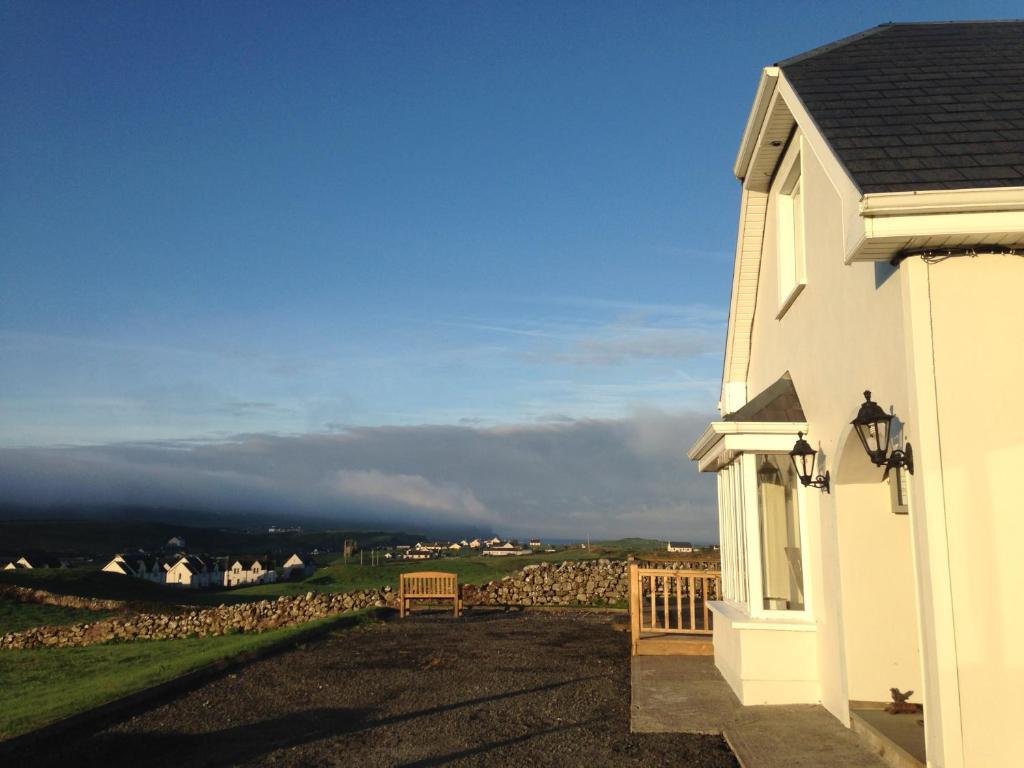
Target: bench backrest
column 428, row 584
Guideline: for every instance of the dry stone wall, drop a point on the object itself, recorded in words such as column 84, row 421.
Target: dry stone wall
column 579, row 582
column 42, row 597
column 225, row 619
column 576, row 582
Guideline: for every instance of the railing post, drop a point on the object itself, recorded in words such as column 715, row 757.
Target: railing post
column 634, row 606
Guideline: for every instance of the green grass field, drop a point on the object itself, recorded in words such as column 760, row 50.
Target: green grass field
column 15, row 617
column 44, row 685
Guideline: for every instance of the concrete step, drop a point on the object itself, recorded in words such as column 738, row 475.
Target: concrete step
column 897, row 739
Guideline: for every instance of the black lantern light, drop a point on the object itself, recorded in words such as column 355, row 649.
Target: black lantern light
column 873, row 426
column 803, row 457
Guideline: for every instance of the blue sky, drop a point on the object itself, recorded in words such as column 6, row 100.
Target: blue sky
column 300, row 218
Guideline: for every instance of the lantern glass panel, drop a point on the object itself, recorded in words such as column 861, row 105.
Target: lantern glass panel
column 873, row 425
column 803, row 457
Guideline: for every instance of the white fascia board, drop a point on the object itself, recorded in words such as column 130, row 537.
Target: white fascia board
column 752, row 130
column 985, row 200
column 979, row 225
column 894, row 218
column 722, row 440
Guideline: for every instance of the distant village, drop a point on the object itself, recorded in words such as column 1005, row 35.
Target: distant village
column 494, row 547
column 174, row 566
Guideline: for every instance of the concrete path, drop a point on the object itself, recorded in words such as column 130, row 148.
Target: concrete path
column 686, row 694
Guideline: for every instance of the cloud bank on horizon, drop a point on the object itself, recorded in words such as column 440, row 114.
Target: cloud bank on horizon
column 565, row 479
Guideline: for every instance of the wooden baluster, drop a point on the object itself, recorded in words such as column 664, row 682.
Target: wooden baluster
column 693, row 602
column 679, row 601
column 665, row 587
column 635, row 620
column 704, row 595
column 654, row 601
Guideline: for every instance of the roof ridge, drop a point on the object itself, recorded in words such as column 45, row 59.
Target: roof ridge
column 881, row 27
column 835, row 44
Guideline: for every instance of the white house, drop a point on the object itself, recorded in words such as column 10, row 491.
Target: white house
column 247, row 571
column 29, row 562
column 504, row 549
column 120, row 566
column 192, row 571
column 684, row 546
column 418, row 554
column 297, row 566
column 880, row 238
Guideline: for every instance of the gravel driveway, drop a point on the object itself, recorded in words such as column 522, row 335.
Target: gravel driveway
column 494, row 689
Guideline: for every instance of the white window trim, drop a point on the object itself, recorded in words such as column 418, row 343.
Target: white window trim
column 791, row 280
column 740, row 524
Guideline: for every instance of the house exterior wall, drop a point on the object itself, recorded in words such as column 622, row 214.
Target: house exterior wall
column 977, row 328
column 823, row 341
column 876, row 566
column 926, row 600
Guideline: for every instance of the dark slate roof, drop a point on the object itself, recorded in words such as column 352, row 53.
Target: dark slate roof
column 779, row 402
column 921, row 106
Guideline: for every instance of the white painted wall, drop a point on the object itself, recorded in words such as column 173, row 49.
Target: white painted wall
column 879, row 598
column 977, row 318
column 841, row 335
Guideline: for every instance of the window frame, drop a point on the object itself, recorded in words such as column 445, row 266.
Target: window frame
column 741, row 541
column 790, row 226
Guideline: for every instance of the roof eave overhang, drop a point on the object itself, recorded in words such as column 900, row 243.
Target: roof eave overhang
column 755, row 120
column 898, row 221
column 722, row 441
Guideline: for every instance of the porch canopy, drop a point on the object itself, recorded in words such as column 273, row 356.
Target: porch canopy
column 768, row 423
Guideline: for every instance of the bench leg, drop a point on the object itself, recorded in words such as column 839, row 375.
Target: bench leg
column 401, row 607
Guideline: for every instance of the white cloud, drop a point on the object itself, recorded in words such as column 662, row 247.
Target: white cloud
column 410, row 490
column 560, row 479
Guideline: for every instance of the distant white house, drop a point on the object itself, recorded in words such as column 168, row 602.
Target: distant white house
column 248, row 571
column 194, row 572
column 455, row 546
column 535, row 544
column 418, row 554
column 475, row 544
column 29, row 562
column 297, row 566
column 176, row 542
column 492, row 542
column 505, row 549
column 683, row 546
column 119, row 566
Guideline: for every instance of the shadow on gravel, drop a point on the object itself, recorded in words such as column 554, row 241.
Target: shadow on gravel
column 445, row 759
column 244, row 743
column 228, row 746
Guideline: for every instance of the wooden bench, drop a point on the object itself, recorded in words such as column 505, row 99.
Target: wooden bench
column 427, row 585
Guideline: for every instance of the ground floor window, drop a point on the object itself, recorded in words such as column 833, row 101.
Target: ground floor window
column 782, row 578
column 760, row 533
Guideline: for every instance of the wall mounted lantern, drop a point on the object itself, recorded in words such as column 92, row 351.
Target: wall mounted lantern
column 803, row 457
column 873, row 426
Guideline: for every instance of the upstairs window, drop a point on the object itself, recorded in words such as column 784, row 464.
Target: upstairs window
column 790, row 214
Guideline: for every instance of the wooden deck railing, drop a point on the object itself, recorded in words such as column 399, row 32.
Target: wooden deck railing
column 671, row 601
